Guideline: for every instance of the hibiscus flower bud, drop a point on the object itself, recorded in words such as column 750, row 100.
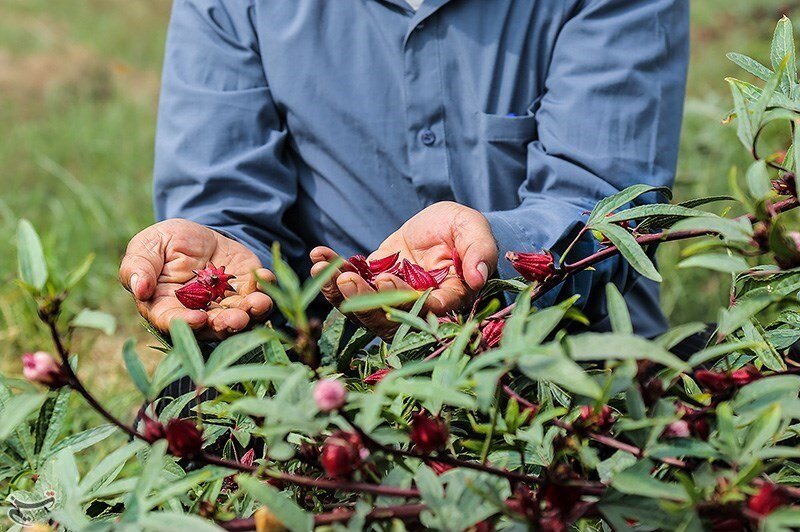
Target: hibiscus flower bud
column 376, row 377
column 492, row 333
column 153, row 429
column 215, row 279
column 428, row 433
column 721, row 384
column 195, row 296
column 329, row 394
column 597, row 421
column 184, row 438
column 41, row 367
column 745, row 375
column 533, row 266
column 768, row 498
column 341, row 454
column 677, row 429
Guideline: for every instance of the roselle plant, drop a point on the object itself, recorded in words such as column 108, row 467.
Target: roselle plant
column 502, row 417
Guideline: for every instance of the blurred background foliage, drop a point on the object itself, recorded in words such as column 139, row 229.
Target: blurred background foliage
column 78, row 94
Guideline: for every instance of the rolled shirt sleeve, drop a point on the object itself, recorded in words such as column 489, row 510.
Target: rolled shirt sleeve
column 609, row 118
column 220, row 145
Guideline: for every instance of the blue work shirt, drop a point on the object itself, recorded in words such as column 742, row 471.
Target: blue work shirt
column 334, row 121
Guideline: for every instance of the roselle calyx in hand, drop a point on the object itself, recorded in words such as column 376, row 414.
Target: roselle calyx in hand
column 533, row 266
column 210, row 285
column 416, row 276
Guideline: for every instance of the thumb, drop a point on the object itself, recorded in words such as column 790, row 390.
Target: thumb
column 142, row 264
column 477, row 248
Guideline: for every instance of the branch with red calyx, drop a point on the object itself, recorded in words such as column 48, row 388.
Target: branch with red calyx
column 559, row 275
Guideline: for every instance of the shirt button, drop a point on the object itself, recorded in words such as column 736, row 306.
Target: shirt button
column 427, row 137
column 420, row 26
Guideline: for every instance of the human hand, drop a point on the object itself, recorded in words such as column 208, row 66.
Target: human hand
column 161, row 258
column 428, row 239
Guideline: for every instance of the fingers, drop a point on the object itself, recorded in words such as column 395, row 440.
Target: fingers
column 321, row 257
column 223, row 322
column 478, row 251
column 351, row 285
column 142, row 264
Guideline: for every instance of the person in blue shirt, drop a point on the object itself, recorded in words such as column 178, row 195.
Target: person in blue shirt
column 375, row 126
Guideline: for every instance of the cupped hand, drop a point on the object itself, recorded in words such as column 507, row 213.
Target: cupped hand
column 428, row 239
column 161, row 259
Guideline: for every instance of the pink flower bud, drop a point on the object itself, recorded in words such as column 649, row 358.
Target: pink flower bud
column 769, row 498
column 195, row 296
column 677, row 429
column 341, row 454
column 329, row 395
column 533, row 266
column 184, row 438
column 41, row 367
column 428, row 433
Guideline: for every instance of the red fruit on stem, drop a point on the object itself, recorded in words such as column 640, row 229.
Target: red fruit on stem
column 769, row 498
column 153, row 429
column 184, row 438
column 428, row 433
column 195, row 296
column 41, row 367
column 341, row 454
column 377, row 376
column 721, row 383
column 493, row 332
column 533, row 266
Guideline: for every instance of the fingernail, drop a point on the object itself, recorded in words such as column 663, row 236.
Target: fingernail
column 134, row 281
column 483, row 269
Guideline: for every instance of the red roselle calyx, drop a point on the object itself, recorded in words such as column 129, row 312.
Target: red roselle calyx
column 458, row 266
column 492, row 333
column 416, row 276
column 594, row 420
column 184, row 438
column 41, row 367
column 428, row 433
column 533, row 266
column 342, row 454
column 722, row 384
column 376, row 377
column 769, row 498
column 210, row 285
column 154, row 430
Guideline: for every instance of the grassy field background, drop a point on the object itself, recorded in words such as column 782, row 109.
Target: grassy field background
column 78, row 94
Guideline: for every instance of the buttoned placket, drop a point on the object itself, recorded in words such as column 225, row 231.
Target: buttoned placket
column 424, row 100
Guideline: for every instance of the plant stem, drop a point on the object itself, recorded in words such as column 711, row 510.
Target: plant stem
column 322, row 483
column 406, row 511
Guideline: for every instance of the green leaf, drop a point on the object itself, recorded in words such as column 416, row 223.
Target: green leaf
column 30, row 256
column 612, row 346
column 720, row 350
column 614, row 202
column 17, row 409
column 751, row 65
column 755, row 301
column 763, row 430
column 246, row 373
column 135, row 368
column 186, row 349
column 56, row 422
column 758, row 182
column 95, row 319
column 79, row 272
column 404, row 329
column 177, row 521
column 783, row 53
column 656, row 209
column 109, row 466
column 87, row 438
column 637, row 480
column 630, row 250
column 737, row 231
column 235, row 347
column 719, row 262
column 378, row 300
column 553, row 366
column 745, row 129
column 618, row 311
column 313, row 286
column 288, row 513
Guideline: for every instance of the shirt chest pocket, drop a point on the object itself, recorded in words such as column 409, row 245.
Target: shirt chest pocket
column 503, row 147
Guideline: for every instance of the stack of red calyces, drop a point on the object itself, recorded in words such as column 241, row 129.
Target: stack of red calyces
column 416, row 276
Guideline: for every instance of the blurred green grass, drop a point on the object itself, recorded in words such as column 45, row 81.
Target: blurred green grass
column 78, row 92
